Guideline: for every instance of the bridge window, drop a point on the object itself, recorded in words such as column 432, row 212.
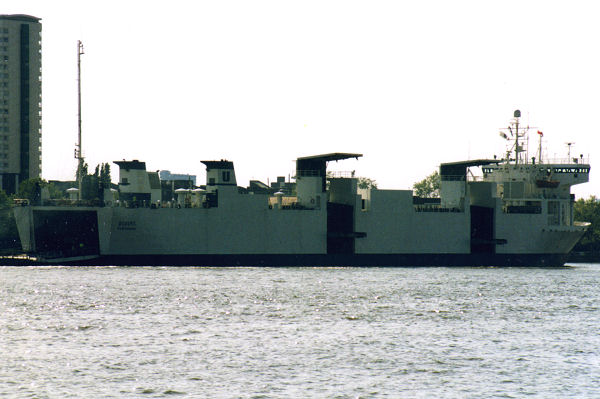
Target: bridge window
column 571, row 170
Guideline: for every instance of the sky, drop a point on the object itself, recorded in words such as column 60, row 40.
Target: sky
column 408, row 84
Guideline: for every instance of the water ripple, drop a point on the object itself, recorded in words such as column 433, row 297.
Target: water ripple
column 294, row 332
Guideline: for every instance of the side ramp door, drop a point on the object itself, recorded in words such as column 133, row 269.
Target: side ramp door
column 65, row 233
column 340, row 228
column 482, row 230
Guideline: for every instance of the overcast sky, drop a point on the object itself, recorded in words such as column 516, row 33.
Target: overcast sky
column 409, row 84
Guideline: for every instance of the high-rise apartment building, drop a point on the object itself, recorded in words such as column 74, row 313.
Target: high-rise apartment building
column 20, row 100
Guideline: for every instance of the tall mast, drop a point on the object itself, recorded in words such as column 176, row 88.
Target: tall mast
column 78, row 152
column 518, row 141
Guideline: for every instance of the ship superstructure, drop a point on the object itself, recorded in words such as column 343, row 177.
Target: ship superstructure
column 515, row 212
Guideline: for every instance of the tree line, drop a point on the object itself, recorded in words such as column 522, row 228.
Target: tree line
column 588, row 210
column 92, row 186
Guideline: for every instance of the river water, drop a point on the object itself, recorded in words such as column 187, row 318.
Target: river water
column 299, row 332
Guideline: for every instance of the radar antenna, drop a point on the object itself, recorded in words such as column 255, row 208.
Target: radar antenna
column 569, row 144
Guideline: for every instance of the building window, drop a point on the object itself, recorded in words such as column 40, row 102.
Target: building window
column 226, row 175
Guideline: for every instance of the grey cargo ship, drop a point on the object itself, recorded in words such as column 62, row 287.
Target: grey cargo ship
column 515, row 211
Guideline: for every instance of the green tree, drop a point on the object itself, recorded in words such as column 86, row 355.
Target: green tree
column 105, row 175
column 31, row 189
column 362, row 182
column 55, row 192
column 89, row 184
column 9, row 237
column 429, row 187
column 588, row 210
column 4, row 200
column 365, row 182
column 92, row 186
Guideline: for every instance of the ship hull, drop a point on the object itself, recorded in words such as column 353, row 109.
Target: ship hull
column 126, row 237
column 322, row 260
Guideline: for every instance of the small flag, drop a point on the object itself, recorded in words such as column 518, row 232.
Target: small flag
column 540, row 133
